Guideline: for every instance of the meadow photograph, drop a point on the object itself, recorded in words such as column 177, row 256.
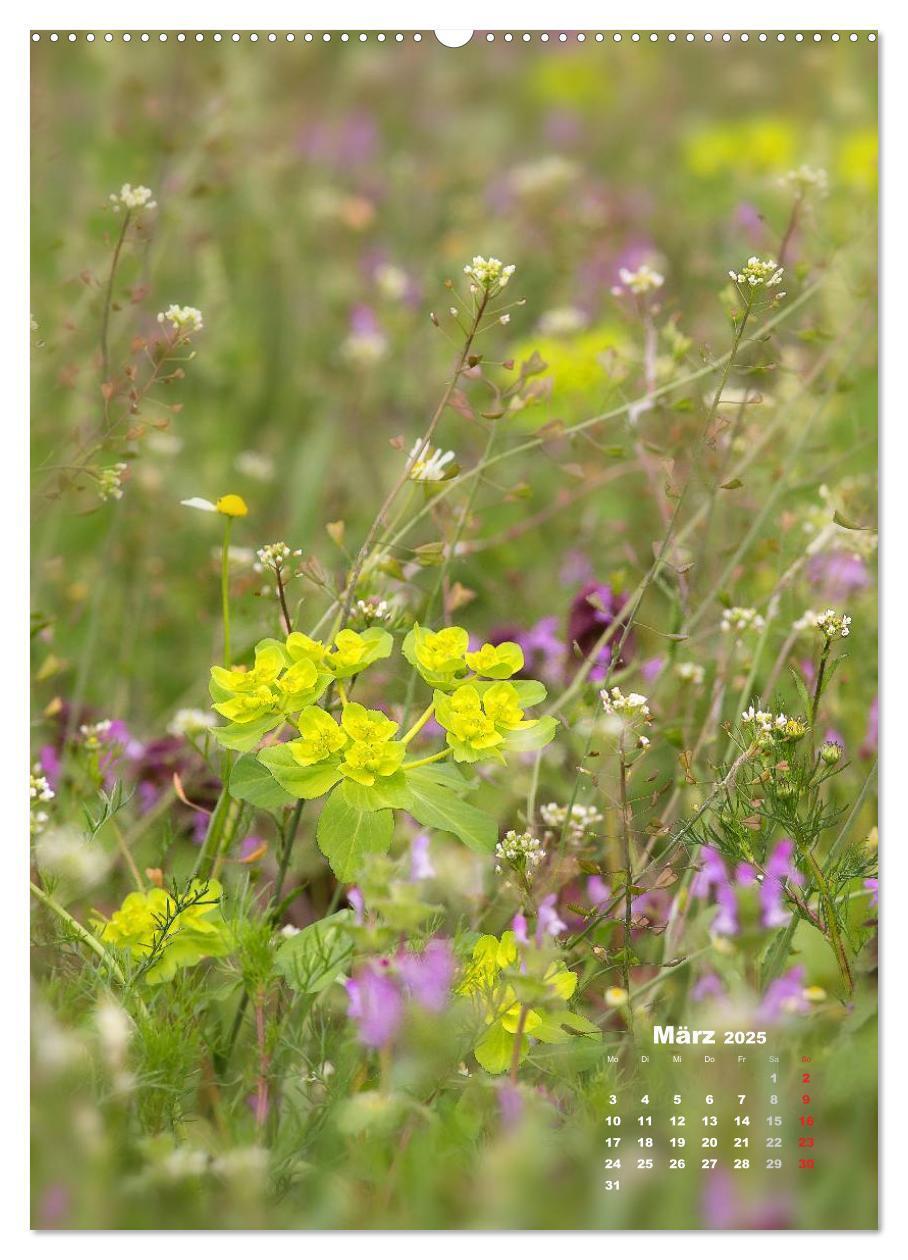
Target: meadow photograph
column 454, row 720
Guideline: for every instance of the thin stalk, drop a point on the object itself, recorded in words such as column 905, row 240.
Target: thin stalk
column 105, row 318
column 225, row 588
column 419, row 723
column 78, row 930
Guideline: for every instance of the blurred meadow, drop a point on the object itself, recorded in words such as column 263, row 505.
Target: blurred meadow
column 315, row 206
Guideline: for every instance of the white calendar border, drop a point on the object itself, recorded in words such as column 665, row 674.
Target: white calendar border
column 529, row 16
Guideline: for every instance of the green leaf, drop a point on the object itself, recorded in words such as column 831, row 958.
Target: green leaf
column 495, row 1050
column 435, row 805
column 316, row 956
column 244, row 736
column 385, row 793
column 346, row 834
column 302, row 782
column 251, row 781
column 537, row 736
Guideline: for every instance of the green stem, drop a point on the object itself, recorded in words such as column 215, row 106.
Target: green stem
column 105, row 318
column 832, row 926
column 426, row 761
column 418, row 724
column 76, row 927
column 225, row 588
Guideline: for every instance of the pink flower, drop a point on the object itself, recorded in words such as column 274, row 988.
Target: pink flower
column 376, row 1004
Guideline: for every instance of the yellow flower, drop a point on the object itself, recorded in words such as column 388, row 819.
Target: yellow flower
column 269, row 661
column 471, row 733
column 247, row 706
column 353, row 651
column 370, row 725
column 301, row 648
column 490, row 661
column 365, row 762
column 504, row 1014
column 231, row 505
column 179, row 934
column 438, row 655
column 301, row 684
column 321, row 737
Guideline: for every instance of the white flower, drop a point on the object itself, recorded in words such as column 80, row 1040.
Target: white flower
column 642, row 742
column 632, row 707
column 544, row 175
column 66, row 855
column 190, row 722
column 115, row 1030
column 424, row 464
column 183, row 319
column 690, row 672
column 834, row 624
column 255, row 465
column 274, row 556
column 129, row 198
column 643, row 280
column 289, row 930
column 489, row 274
column 522, row 851
column 39, row 789
column 740, row 619
column 562, row 321
column 362, row 349
column 92, row 733
column 583, row 818
column 109, row 482
column 806, row 179
column 757, row 273
column 392, row 281
column 373, row 608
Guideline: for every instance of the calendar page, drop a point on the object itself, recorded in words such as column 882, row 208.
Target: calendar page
column 454, row 731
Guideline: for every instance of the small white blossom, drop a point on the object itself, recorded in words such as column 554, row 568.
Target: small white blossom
column 758, row 273
column 642, row 742
column 562, row 321
column 522, row 851
column 183, row 319
column 640, row 282
column 392, row 281
column 190, row 722
column 373, row 609
column 759, row 718
column 110, row 482
column 690, row 672
column 129, row 198
column 274, row 556
column 806, row 180
column 92, row 734
column 289, row 930
column 363, row 349
column 489, row 274
column 834, row 624
column 583, row 818
column 39, row 789
column 66, row 855
column 424, row 464
column 255, row 464
column 739, row 620
column 633, row 706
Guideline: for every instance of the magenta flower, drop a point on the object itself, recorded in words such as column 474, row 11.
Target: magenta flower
column 376, row 1004
column 420, row 863
column 708, row 986
column 779, row 868
column 427, row 976
column 547, row 921
column 873, row 887
column 785, row 996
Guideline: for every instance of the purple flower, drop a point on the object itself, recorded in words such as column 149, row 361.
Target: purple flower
column 593, row 611
column 547, row 920
column 785, row 996
column 355, row 897
column 838, row 575
column 428, row 975
column 376, row 1004
column 708, row 986
column 713, row 877
column 519, row 928
column 420, row 863
column 598, row 890
column 779, row 868
column 510, row 1101
column 873, row 887
column 575, row 569
column 651, row 669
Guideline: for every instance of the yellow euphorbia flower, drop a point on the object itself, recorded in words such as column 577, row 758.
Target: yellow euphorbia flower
column 370, row 725
column 321, row 737
column 248, row 706
column 178, row 934
column 477, row 723
column 501, row 661
column 354, row 651
column 504, row 1014
column 301, row 648
column 269, row 661
column 438, row 655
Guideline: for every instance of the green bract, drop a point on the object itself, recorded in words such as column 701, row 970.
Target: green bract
column 501, row 661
